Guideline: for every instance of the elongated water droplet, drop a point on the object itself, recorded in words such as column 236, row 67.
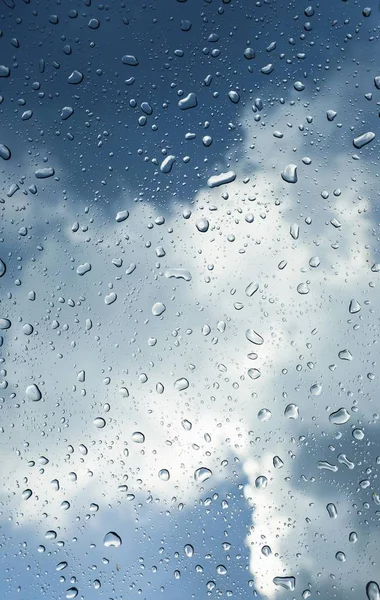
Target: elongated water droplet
column 254, row 337
column 354, row 307
column 345, row 355
column 178, row 274
column 331, row 510
column 222, row 179
column 251, row 289
column 189, row 550
column 364, row 139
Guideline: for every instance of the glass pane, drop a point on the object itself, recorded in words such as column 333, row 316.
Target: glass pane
column 189, row 281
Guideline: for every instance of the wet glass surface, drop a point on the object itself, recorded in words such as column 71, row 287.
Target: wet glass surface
column 189, row 280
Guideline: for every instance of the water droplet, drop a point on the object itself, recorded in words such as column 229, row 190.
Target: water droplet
column 202, row 474
column 130, row 60
column 61, row 565
column 364, row 139
column 112, row 540
column 291, row 411
column 33, row 393
column 221, row 179
column 295, row 231
column 289, row 174
column 358, row 434
column 187, row 425
column 353, row 538
column 138, row 437
column 85, row 268
column 251, row 289
column 164, row 475
column 167, row 164
column 110, row 298
column 340, row 556
column 277, row 462
column 121, row 216
column 254, row 337
column 288, row 583
column 302, row 289
column 339, row 417
column 99, row 422
column 331, row 510
column 44, row 173
column 158, row 308
column 264, row 415
column 254, row 373
column 316, row 389
column 261, row 482
column 233, row 96
column 266, row 550
column 189, row 550
column 331, row 114
column 181, row 384
column 5, row 153
column 354, row 307
column 189, row 101
column 75, row 78
column 5, row 323
column 202, row 225
column 178, row 274
column 314, row 262
column 26, row 494
column 345, row 355
column 299, row 86
column 71, row 593
column 27, row 329
column 221, row 570
column 66, row 112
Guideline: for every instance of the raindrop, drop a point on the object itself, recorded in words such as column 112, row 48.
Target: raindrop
column 33, row 393
column 99, row 422
column 138, row 437
column 158, row 308
column 289, row 174
column 202, row 474
column 164, row 475
column 112, row 540
column 339, row 417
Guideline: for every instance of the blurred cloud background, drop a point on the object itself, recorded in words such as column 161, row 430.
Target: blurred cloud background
column 273, row 331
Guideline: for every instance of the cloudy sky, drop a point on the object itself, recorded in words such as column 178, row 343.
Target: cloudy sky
column 190, row 299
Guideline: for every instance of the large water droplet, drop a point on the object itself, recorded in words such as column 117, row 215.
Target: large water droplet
column 288, row 583
column 289, row 174
column 254, row 337
column 138, row 437
column 158, row 308
column 33, row 393
column 202, row 474
column 181, row 384
column 112, row 540
column 339, row 417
